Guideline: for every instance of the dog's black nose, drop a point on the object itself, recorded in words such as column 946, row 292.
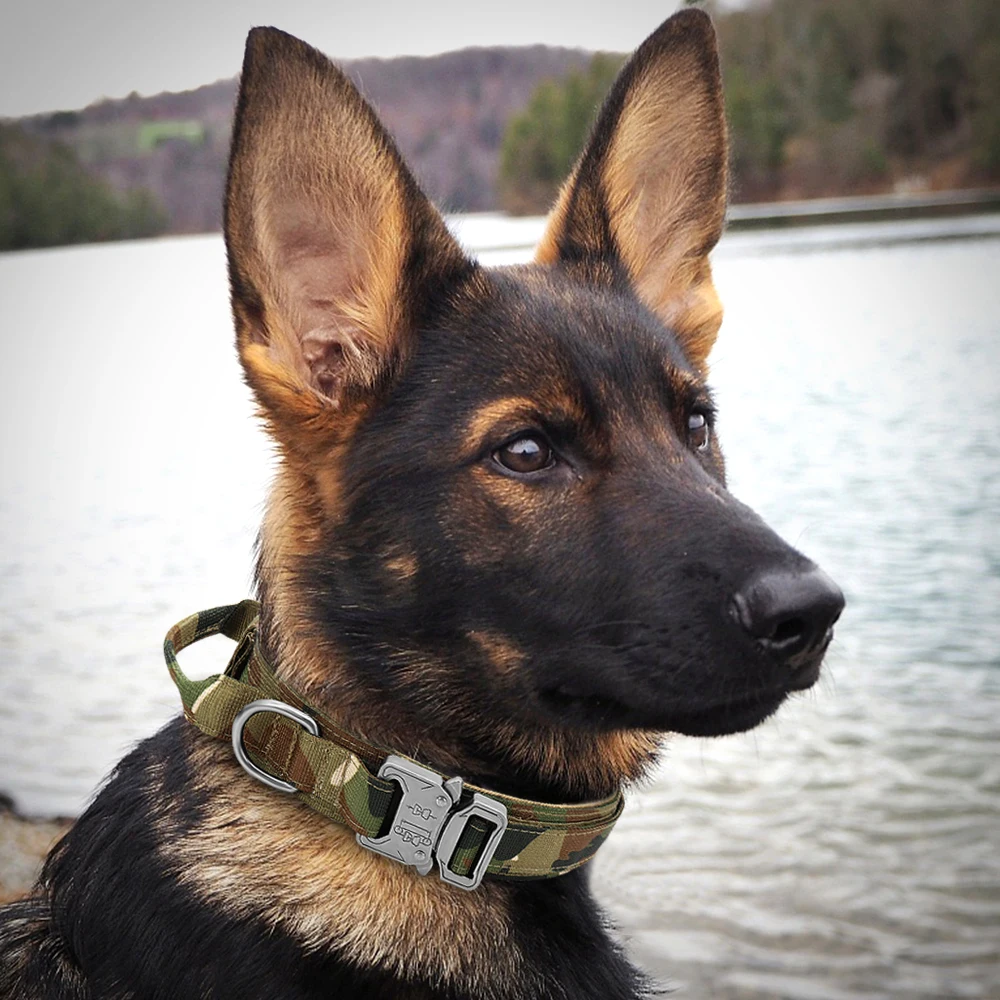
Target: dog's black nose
column 790, row 613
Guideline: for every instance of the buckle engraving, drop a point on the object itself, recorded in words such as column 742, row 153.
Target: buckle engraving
column 420, row 816
column 425, row 826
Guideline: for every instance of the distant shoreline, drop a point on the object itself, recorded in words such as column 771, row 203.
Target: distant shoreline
column 743, row 218
column 862, row 208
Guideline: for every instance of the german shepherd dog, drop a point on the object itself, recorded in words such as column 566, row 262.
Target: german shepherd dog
column 499, row 542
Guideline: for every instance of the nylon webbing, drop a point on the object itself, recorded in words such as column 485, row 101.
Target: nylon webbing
column 335, row 771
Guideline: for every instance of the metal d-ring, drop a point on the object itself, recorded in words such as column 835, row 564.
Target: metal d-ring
column 279, row 708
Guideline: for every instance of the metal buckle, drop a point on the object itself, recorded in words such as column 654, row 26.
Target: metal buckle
column 280, row 708
column 425, row 828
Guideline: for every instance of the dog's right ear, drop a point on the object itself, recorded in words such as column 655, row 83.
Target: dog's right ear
column 648, row 194
column 332, row 246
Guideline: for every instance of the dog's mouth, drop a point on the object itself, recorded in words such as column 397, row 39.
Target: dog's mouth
column 729, row 717
column 567, row 702
column 573, row 703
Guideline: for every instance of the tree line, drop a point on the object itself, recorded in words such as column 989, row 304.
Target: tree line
column 823, row 97
column 47, row 198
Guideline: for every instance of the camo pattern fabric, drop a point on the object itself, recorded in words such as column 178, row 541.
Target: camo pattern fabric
column 335, row 772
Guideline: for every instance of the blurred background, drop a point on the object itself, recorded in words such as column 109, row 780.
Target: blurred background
column 825, row 97
column 847, row 848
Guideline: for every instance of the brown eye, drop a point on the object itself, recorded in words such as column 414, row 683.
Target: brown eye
column 699, row 433
column 525, row 454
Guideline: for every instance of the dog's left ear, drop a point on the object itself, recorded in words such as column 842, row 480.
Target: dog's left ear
column 649, row 192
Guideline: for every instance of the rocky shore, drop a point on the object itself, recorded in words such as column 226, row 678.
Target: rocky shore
column 23, row 846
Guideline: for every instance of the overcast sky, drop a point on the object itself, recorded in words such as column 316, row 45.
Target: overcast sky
column 67, row 53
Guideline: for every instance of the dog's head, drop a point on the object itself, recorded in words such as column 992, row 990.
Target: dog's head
column 500, row 537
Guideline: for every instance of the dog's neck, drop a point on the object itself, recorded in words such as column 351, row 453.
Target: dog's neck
column 314, row 674
column 555, row 765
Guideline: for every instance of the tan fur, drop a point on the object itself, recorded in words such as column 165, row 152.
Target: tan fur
column 402, row 565
column 505, row 657
column 547, row 251
column 664, row 215
column 327, row 277
column 517, row 500
column 630, row 752
column 292, row 861
column 504, row 416
column 509, row 410
column 589, row 766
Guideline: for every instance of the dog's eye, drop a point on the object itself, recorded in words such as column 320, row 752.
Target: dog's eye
column 529, row 453
column 699, row 433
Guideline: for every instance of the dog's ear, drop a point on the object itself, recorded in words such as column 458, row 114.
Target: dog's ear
column 649, row 192
column 332, row 247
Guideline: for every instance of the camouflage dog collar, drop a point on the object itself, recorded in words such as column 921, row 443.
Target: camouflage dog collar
column 396, row 806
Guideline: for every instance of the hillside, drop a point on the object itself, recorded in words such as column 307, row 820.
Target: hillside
column 824, row 99
column 448, row 114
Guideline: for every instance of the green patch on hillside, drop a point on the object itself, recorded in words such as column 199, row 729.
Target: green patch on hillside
column 153, row 134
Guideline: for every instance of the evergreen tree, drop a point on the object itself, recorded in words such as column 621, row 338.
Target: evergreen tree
column 541, row 144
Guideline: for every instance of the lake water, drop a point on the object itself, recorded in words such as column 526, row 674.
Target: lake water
column 848, row 848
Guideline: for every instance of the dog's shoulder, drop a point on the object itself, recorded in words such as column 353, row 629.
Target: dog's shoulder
column 96, row 874
column 122, row 897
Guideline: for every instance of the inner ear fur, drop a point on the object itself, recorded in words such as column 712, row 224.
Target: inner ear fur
column 330, row 241
column 649, row 191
